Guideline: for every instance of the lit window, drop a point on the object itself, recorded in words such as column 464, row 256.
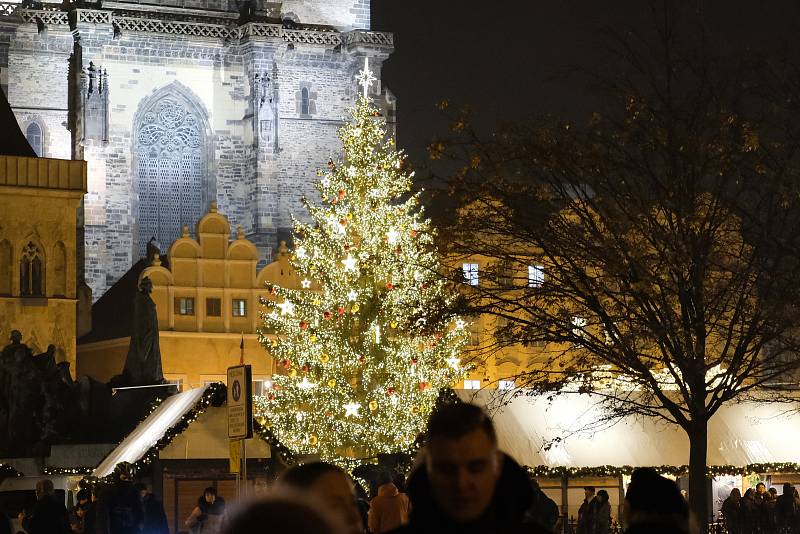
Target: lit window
column 472, row 384
column 471, row 273
column 184, row 305
column 535, row 275
column 33, row 133
column 505, row 384
column 239, row 308
column 213, row 308
column 261, row 386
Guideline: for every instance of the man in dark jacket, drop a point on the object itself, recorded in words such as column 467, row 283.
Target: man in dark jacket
column 49, row 515
column 119, row 506
column 654, row 505
column 465, row 484
column 155, row 519
column 585, row 511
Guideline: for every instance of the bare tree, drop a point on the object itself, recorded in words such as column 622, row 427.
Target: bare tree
column 661, row 234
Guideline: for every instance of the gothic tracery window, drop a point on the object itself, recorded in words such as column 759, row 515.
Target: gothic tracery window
column 33, row 133
column 170, row 171
column 31, row 271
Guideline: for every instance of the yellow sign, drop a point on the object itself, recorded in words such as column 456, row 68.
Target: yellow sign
column 240, row 402
column 235, row 456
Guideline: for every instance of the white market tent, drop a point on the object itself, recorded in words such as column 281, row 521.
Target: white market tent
column 739, row 434
column 148, row 432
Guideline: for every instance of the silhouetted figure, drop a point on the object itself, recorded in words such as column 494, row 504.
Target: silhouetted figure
column 284, row 514
column 654, row 505
column 143, row 364
column 732, row 512
column 49, row 515
column 329, row 485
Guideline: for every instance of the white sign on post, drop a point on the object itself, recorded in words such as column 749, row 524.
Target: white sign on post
column 240, row 402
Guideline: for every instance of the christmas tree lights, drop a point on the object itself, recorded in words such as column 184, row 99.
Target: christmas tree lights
column 360, row 355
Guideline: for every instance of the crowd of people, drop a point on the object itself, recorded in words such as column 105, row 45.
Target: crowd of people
column 762, row 511
column 461, row 483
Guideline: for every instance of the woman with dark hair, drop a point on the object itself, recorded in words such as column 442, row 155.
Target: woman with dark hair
column 330, row 486
column 601, row 514
column 732, row 512
column 207, row 516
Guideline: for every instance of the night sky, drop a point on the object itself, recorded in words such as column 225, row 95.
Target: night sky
column 508, row 60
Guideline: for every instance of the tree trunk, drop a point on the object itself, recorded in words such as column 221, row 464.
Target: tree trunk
column 698, row 483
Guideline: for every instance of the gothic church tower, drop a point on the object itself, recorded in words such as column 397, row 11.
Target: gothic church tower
column 177, row 103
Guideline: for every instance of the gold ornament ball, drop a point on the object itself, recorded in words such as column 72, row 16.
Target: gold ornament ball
column 324, row 358
column 312, row 338
column 312, row 440
column 355, row 307
column 393, row 325
column 415, row 409
column 373, row 405
column 331, row 383
column 293, row 373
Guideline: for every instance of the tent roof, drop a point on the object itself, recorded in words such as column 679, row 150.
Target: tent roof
column 738, row 435
column 136, row 444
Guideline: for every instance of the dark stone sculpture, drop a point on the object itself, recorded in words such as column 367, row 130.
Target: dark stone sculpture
column 143, row 364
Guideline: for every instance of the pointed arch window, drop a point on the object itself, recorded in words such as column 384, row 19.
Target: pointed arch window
column 5, row 267
column 31, row 271
column 33, row 133
column 170, row 170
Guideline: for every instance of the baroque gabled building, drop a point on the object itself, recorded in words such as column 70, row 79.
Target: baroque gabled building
column 177, row 103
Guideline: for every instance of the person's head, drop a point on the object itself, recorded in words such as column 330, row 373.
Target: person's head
column 44, row 488
column 123, row 472
column 588, row 492
column 462, row 460
column 748, row 494
column 83, row 496
column 142, row 489
column 736, row 494
column 399, row 480
column 210, row 494
column 80, row 510
column 773, row 492
column 653, row 498
column 602, row 495
column 761, row 488
column 331, row 486
column 284, row 514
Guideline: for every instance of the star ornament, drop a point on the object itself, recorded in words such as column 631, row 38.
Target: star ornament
column 365, row 77
column 454, row 362
column 352, row 295
column 351, row 409
column 306, row 283
column 287, row 308
column 349, row 263
column 460, row 324
column 391, row 236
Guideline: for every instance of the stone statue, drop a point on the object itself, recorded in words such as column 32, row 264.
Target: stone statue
column 20, row 391
column 143, row 364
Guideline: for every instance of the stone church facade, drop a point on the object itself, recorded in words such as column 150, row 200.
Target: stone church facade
column 177, row 103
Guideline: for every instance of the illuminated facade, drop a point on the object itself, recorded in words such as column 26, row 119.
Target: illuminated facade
column 176, row 104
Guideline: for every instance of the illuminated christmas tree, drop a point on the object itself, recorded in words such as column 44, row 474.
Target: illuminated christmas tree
column 362, row 349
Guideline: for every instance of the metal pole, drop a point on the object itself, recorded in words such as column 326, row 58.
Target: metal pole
column 244, row 468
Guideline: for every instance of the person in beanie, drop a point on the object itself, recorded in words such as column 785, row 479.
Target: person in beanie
column 654, row 505
column 389, row 509
column 464, row 483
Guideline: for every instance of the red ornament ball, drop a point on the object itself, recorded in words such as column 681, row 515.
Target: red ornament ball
column 389, row 286
column 271, row 397
column 343, row 222
column 305, row 368
column 425, row 285
column 340, row 310
column 422, row 386
column 391, row 391
column 362, row 359
column 326, row 314
column 341, row 194
column 286, row 364
column 414, row 361
column 413, row 233
column 303, row 325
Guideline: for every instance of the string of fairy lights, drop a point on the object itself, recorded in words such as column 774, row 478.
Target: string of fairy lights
column 360, row 359
column 610, row 471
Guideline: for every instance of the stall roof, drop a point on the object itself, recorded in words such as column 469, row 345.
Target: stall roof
column 738, row 435
column 136, row 444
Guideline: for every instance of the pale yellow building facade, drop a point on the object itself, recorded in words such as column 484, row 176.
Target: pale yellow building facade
column 39, row 201
column 208, row 301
